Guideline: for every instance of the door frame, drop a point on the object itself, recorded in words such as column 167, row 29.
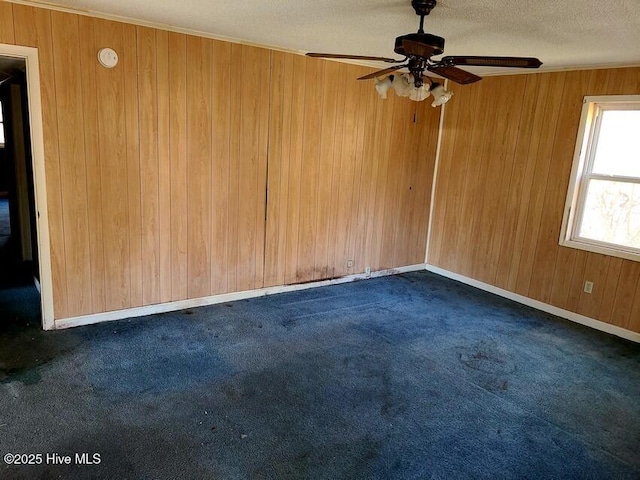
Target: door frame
column 30, row 56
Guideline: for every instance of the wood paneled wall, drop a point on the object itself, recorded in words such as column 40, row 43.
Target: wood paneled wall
column 507, row 150
column 157, row 170
column 349, row 174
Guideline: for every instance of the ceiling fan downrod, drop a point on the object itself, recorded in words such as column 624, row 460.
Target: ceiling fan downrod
column 423, row 8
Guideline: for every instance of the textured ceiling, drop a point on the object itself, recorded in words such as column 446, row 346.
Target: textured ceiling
column 565, row 34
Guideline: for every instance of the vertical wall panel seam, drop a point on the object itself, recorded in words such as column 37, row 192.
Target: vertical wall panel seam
column 138, row 52
column 301, row 150
column 511, row 174
column 519, row 139
column 609, row 314
column 99, row 173
column 330, row 244
column 158, row 293
column 281, row 265
column 169, row 144
column 540, row 141
column 187, row 160
column 136, row 49
column 357, row 176
column 288, row 105
column 229, row 152
column 63, row 247
column 319, row 162
column 213, row 212
column 633, row 304
column 13, row 22
column 266, row 180
column 125, row 50
column 519, row 247
column 84, row 158
column 212, row 155
column 62, row 254
column 546, row 186
column 239, row 161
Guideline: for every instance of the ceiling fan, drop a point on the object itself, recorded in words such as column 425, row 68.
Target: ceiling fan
column 419, row 48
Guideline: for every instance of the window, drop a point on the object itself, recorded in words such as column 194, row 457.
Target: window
column 1, row 127
column 602, row 213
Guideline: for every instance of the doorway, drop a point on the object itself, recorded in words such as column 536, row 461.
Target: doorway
column 16, row 171
column 19, row 273
column 25, row 268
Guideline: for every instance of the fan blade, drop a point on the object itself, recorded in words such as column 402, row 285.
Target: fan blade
column 454, row 74
column 418, row 49
column 511, row 62
column 353, row 57
column 381, row 73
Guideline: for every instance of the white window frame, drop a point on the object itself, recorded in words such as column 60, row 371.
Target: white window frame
column 580, row 174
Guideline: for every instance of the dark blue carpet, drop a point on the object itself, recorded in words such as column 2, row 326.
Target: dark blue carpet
column 5, row 223
column 5, row 228
column 411, row 376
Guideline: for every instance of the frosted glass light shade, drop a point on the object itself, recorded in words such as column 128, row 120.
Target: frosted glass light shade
column 440, row 95
column 383, row 86
column 419, row 94
column 403, row 84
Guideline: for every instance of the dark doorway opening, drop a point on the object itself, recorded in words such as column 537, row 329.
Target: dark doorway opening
column 19, row 276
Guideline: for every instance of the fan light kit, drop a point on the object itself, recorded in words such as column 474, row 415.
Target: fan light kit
column 404, row 86
column 418, row 50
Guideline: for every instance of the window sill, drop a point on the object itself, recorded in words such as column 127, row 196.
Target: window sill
column 600, row 248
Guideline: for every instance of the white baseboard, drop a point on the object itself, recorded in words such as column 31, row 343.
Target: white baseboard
column 36, row 282
column 545, row 307
column 226, row 297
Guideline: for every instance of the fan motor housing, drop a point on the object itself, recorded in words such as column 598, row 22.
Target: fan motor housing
column 433, row 41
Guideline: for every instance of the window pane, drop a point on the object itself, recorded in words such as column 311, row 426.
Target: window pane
column 618, row 148
column 612, row 213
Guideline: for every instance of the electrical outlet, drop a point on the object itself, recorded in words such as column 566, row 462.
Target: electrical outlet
column 588, row 287
column 367, row 271
column 349, row 263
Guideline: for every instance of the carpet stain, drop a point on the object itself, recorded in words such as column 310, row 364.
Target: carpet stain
column 24, row 352
column 349, row 459
column 179, row 365
column 488, row 365
column 362, row 365
column 289, row 323
column 27, row 376
column 392, row 406
column 486, row 357
column 496, row 385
